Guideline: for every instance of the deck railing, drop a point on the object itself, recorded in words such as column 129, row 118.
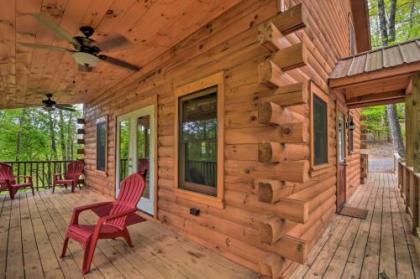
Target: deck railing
column 42, row 172
column 409, row 185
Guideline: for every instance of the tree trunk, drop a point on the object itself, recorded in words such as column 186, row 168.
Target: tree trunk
column 395, row 129
column 52, row 135
column 391, row 21
column 19, row 134
column 382, row 22
column 62, row 136
column 70, row 138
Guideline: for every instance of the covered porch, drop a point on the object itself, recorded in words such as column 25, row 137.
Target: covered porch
column 33, row 228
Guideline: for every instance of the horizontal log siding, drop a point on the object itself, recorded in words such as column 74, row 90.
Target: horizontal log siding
column 230, row 44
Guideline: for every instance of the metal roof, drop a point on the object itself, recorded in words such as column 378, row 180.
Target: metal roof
column 378, row 59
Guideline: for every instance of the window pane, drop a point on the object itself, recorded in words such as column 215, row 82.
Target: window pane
column 101, row 146
column 143, row 150
column 124, row 140
column 320, row 119
column 198, row 142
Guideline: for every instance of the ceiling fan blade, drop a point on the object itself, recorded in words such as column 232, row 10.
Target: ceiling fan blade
column 118, row 62
column 56, row 29
column 64, row 107
column 45, row 47
column 111, row 43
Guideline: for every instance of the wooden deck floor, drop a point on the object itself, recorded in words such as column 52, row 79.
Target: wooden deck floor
column 379, row 247
column 31, row 235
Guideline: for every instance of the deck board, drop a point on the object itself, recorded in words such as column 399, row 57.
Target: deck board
column 379, row 247
column 32, row 232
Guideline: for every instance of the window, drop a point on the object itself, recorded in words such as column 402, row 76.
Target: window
column 101, row 148
column 319, row 127
column 199, row 141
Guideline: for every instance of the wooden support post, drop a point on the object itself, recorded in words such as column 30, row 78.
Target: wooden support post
column 271, row 266
column 415, row 149
column 271, row 229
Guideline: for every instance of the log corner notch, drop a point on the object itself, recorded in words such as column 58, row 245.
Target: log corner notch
column 269, row 190
column 272, row 229
column 271, row 266
column 271, row 35
column 289, row 21
column 272, row 113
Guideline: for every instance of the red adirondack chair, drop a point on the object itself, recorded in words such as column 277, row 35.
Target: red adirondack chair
column 71, row 178
column 114, row 219
column 8, row 182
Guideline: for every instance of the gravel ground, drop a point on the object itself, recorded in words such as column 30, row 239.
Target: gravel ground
column 380, row 157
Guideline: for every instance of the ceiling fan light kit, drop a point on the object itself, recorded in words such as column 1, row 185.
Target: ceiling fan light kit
column 85, row 59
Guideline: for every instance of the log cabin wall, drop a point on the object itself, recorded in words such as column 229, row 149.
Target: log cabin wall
column 275, row 205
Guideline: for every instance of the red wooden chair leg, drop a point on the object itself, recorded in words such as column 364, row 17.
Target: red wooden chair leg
column 72, row 187
column 63, row 252
column 127, row 237
column 89, row 252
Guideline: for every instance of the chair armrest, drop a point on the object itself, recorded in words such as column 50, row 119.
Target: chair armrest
column 57, row 176
column 80, row 209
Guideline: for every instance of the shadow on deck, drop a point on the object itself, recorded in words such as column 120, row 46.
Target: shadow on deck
column 31, row 237
column 379, row 247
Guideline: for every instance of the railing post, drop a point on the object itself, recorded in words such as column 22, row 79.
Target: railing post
column 416, row 207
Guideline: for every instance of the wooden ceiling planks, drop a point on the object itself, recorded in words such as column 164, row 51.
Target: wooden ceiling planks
column 152, row 26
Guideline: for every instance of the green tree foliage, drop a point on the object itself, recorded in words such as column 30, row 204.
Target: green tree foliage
column 26, row 134
column 407, row 21
column 375, row 121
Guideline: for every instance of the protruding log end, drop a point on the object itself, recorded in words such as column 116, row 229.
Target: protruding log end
column 271, row 266
column 272, row 113
column 271, row 75
column 272, row 229
column 269, row 190
column 270, row 37
column 269, row 152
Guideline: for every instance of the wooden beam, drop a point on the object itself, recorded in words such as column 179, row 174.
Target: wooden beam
column 415, row 122
column 269, row 36
column 80, row 121
column 271, row 113
column 80, row 141
column 80, row 131
column 377, row 103
column 376, row 97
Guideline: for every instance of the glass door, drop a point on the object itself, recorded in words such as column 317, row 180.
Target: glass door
column 135, row 152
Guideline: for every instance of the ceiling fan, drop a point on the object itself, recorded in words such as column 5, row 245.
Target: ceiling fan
column 49, row 104
column 86, row 52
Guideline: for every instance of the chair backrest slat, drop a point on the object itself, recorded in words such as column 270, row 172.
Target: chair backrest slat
column 6, row 174
column 75, row 169
column 131, row 190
